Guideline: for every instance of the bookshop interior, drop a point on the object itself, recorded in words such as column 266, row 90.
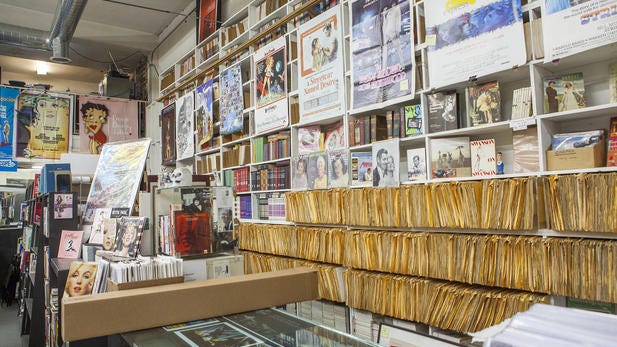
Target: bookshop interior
column 308, row 173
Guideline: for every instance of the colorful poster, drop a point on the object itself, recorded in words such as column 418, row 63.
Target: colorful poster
column 485, row 36
column 382, row 62
column 573, row 26
column 185, row 144
column 271, row 111
column 203, row 113
column 231, row 105
column 8, row 97
column 208, row 18
column 321, row 82
column 103, row 120
column 117, row 176
column 43, row 124
column 168, row 135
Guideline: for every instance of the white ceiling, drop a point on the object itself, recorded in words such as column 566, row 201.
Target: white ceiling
column 27, row 67
column 104, row 26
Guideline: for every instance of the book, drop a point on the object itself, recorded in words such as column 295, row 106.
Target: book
column 386, row 163
column 483, row 104
column 361, row 169
column 521, row 103
column 612, row 82
column 564, row 92
column 413, row 119
column 70, row 244
column 318, row 171
column 128, row 236
column 483, row 158
column 442, row 112
column 450, row 157
column 416, row 164
column 96, row 233
column 611, row 154
column 192, row 233
column 309, row 139
column 80, row 279
column 338, row 170
column 334, row 136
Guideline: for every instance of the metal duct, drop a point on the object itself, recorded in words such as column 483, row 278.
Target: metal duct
column 63, row 27
column 23, row 37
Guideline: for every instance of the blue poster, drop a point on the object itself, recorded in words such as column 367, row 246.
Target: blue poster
column 203, row 113
column 8, row 96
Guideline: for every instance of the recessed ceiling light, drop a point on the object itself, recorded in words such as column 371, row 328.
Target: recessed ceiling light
column 41, row 68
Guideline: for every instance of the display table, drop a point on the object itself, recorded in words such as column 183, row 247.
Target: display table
column 269, row 327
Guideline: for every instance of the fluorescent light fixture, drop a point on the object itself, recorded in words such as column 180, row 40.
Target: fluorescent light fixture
column 37, row 166
column 41, row 68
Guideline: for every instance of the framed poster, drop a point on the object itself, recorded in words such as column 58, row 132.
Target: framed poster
column 571, row 26
column 185, row 142
column 168, row 135
column 382, row 53
column 103, row 120
column 321, row 82
column 117, row 176
column 270, row 71
column 231, row 104
column 208, row 18
column 8, row 98
column 203, row 113
column 43, row 124
column 485, row 36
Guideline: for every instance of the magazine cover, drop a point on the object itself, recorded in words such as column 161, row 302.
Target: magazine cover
column 450, row 157
column 63, row 206
column 338, row 168
column 573, row 26
column 103, row 120
column 168, row 135
column 386, row 163
column 8, row 98
column 96, row 233
column 224, row 237
column 203, row 114
column 321, row 83
column 483, row 158
column 611, row 154
column 195, row 199
column 564, row 92
column 221, row 334
column 334, row 136
column 109, row 233
column 299, row 181
column 192, row 233
column 318, row 171
column 309, row 139
column 485, row 36
column 483, row 104
column 128, row 238
column 442, row 112
column 231, row 102
column 270, row 71
column 521, row 103
column 416, row 164
column 185, row 146
column 413, row 120
column 361, row 169
column 43, row 124
column 117, row 176
column 612, row 82
column 70, row 244
column 382, row 58
column 80, row 279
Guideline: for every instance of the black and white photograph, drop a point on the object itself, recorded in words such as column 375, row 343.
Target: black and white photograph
column 338, row 161
column 386, row 163
column 416, row 164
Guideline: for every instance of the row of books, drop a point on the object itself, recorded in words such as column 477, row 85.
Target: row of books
column 238, row 155
column 330, row 279
column 273, row 147
column 508, row 204
column 246, row 206
column 270, row 206
column 167, row 79
column 185, row 233
column 330, row 314
column 282, row 30
column 311, row 243
column 187, row 65
column 403, row 122
column 240, row 180
column 317, row 9
column 270, row 177
column 208, row 163
column 268, row 7
column 229, row 33
column 452, row 306
column 210, row 49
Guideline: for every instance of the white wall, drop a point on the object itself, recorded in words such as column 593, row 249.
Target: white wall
column 57, row 85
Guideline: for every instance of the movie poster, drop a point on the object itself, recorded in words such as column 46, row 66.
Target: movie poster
column 185, row 146
column 386, row 161
column 8, row 98
column 467, row 39
column 271, row 111
column 43, row 124
column 103, row 120
column 382, row 63
column 573, row 26
column 321, row 83
column 117, row 176
column 231, row 104
column 168, row 135
column 208, row 18
column 203, row 113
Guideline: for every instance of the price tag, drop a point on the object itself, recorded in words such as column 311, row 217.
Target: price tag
column 522, row 124
column 431, row 40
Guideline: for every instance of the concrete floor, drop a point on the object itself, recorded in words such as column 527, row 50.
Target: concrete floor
column 10, row 327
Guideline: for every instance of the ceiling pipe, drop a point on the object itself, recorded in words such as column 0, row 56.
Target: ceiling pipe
column 68, row 13
column 23, row 37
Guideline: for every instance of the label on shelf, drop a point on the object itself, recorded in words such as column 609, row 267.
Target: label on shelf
column 522, row 124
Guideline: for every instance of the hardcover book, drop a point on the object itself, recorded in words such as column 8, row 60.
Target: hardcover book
column 483, row 160
column 521, row 103
column 70, row 244
column 338, row 162
column 192, row 233
column 442, row 112
column 564, row 92
column 413, row 120
column 361, row 169
column 451, row 157
column 416, row 164
column 309, row 139
column 80, row 279
column 128, row 238
column 483, row 104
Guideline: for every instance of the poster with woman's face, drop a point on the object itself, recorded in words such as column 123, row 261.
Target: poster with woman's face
column 43, row 125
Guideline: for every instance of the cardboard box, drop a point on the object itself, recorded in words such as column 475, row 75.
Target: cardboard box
column 576, row 158
column 114, row 287
column 109, row 313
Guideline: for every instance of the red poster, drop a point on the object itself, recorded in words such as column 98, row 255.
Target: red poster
column 192, row 232
column 207, row 18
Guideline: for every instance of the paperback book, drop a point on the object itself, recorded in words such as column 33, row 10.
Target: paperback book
column 361, row 169
column 413, row 120
column 483, row 158
column 483, row 104
column 564, row 92
column 70, row 244
column 338, row 161
column 416, row 164
column 451, row 157
column 442, row 112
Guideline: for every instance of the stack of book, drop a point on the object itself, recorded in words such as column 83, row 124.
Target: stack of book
column 276, row 146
